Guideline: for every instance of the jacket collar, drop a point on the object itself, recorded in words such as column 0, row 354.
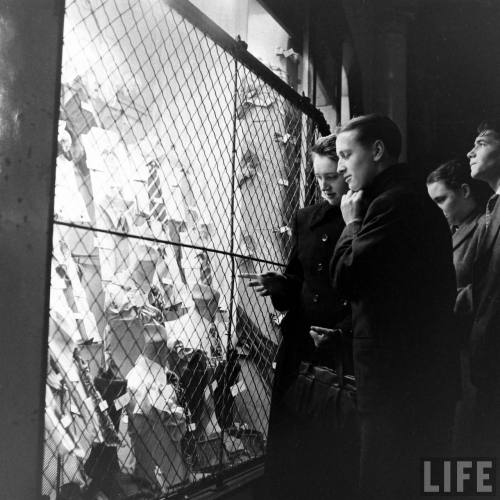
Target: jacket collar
column 321, row 211
column 391, row 176
column 465, row 230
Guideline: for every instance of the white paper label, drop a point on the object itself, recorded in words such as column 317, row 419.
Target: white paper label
column 103, row 405
column 239, row 387
column 122, row 401
column 66, row 421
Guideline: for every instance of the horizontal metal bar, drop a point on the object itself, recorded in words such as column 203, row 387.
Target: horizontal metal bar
column 225, row 484
column 238, row 49
column 167, row 242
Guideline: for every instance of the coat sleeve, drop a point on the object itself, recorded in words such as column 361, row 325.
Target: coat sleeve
column 293, row 277
column 366, row 249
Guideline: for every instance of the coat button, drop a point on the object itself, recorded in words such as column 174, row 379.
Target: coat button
column 319, row 267
column 324, row 237
column 315, row 298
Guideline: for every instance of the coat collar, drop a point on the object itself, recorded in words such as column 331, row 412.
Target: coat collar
column 322, row 210
column 465, row 230
column 390, row 177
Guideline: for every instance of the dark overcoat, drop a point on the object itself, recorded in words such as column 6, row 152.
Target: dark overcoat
column 464, row 248
column 485, row 337
column 464, row 253
column 396, row 268
column 310, row 298
column 300, row 458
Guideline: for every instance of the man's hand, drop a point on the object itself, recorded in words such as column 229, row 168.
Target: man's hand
column 321, row 335
column 352, row 206
column 268, row 283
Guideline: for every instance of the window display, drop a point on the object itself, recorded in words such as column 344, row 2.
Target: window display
column 169, row 183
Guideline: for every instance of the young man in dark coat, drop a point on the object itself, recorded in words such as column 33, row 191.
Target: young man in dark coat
column 485, row 336
column 304, row 461
column 463, row 201
column 394, row 263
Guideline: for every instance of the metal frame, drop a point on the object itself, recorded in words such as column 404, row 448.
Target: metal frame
column 30, row 55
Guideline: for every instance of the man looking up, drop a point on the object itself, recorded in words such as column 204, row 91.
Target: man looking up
column 484, row 160
column 394, row 263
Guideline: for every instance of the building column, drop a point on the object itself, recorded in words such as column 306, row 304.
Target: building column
column 30, row 52
column 390, row 72
column 379, row 32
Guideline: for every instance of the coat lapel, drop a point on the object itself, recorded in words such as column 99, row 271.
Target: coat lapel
column 490, row 234
column 464, row 231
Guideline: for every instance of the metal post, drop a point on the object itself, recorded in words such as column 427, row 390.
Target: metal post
column 30, row 59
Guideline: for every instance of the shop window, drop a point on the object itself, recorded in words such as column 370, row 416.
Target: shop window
column 265, row 37
column 178, row 168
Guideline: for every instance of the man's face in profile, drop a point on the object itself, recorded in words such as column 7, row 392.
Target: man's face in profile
column 355, row 161
column 484, row 157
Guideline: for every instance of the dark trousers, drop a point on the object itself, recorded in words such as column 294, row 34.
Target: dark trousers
column 392, row 446
column 310, row 460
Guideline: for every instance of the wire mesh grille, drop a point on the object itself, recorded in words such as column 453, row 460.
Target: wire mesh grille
column 178, row 169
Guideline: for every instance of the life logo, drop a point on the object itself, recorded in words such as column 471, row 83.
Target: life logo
column 456, row 477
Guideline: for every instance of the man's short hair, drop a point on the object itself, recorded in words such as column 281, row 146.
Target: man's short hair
column 325, row 146
column 492, row 124
column 454, row 173
column 373, row 128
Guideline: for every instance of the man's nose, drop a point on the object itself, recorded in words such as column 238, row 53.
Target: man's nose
column 340, row 167
column 471, row 153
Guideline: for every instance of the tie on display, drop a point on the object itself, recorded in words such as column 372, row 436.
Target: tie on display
column 490, row 206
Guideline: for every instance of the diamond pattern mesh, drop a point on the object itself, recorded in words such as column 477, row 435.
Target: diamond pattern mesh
column 178, row 169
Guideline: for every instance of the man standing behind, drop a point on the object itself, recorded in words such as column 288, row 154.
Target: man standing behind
column 485, row 336
column 394, row 263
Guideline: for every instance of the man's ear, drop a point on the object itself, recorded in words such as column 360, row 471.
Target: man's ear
column 466, row 191
column 378, row 150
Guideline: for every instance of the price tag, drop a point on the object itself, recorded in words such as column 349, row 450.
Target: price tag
column 103, row 405
column 239, row 387
column 66, row 421
column 274, row 365
column 122, row 401
column 192, row 427
column 73, row 408
column 282, row 182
